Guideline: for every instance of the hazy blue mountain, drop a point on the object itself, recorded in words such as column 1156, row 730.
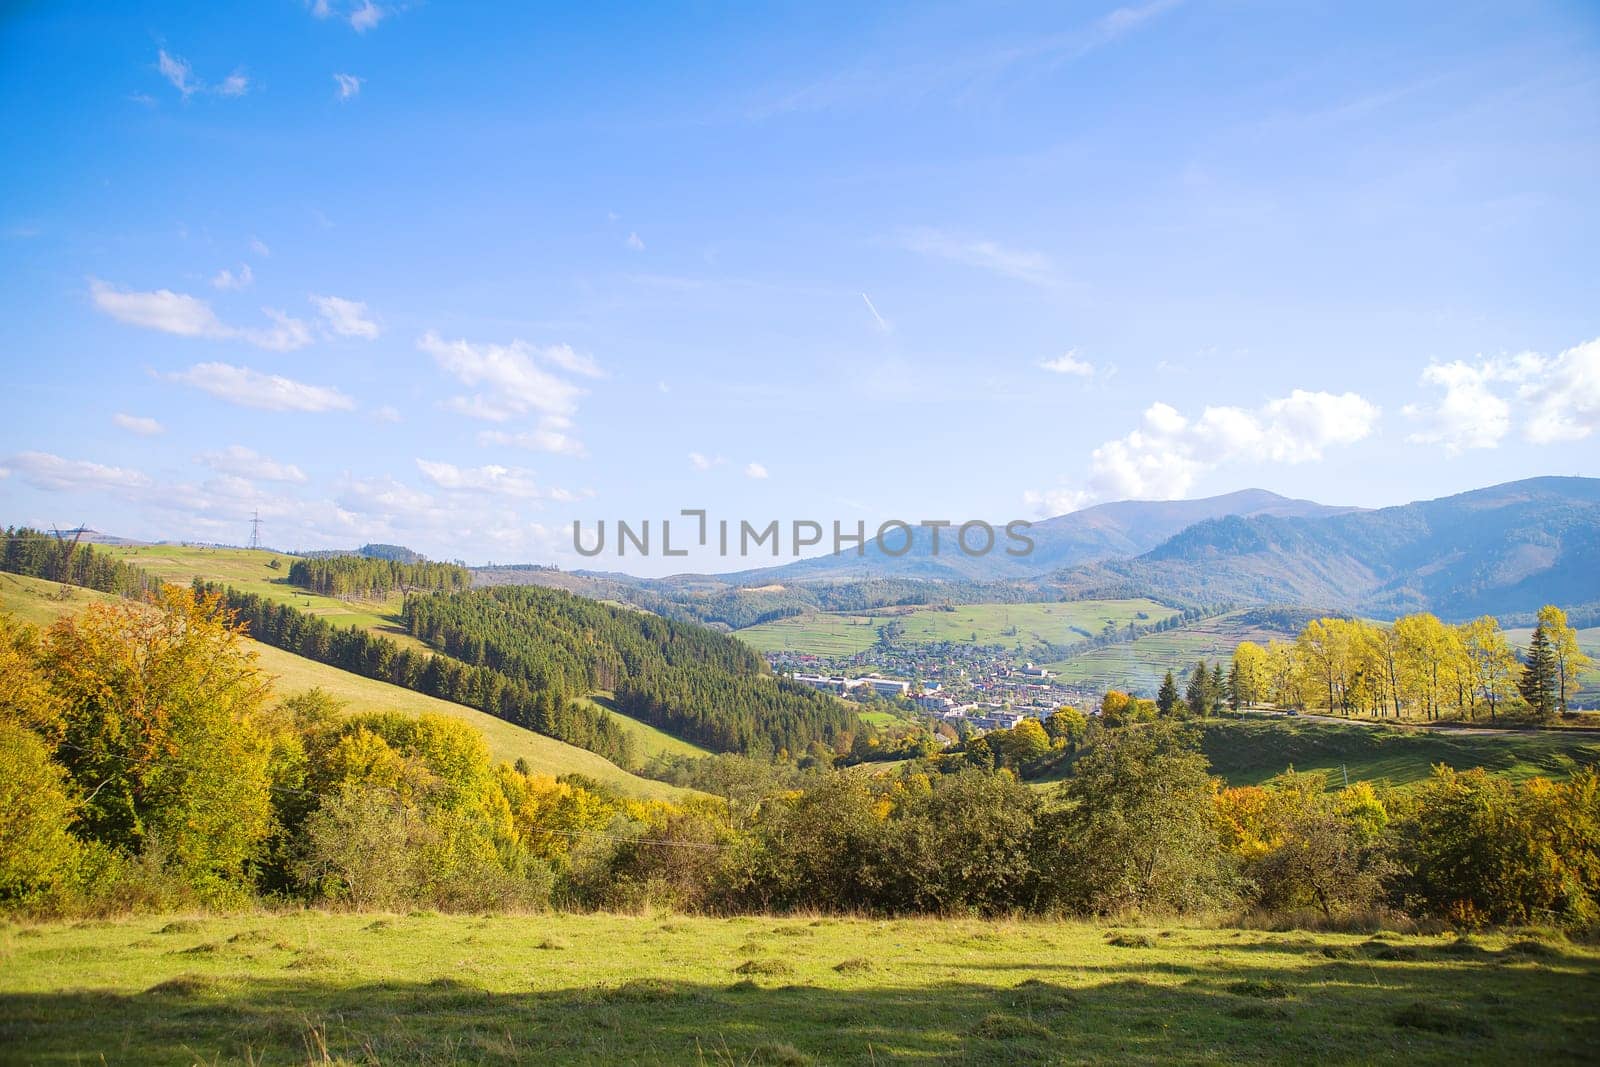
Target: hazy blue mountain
column 1504, row 549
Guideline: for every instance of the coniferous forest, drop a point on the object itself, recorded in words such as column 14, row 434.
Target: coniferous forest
column 361, row 576
column 691, row 681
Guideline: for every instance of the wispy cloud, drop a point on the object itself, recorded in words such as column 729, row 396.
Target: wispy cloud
column 491, row 479
column 242, row 462
column 138, row 424
column 268, row 392
column 45, row 470
column 180, row 74
column 189, row 316
column 228, row 279
column 347, row 85
column 511, row 380
column 359, row 16
column 635, row 242
column 345, row 318
column 1068, row 363
column 1034, row 268
column 755, row 470
column 553, row 434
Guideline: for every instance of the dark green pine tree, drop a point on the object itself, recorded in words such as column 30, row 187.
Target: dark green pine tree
column 1198, row 692
column 1235, row 698
column 1217, row 691
column 1167, row 697
column 1538, row 682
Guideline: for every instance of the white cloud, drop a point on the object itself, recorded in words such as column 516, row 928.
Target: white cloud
column 1068, row 363
column 259, row 247
column 366, row 16
column 1563, row 398
column 490, row 478
column 189, row 316
column 387, row 413
column 177, row 72
column 564, row 357
column 348, row 85
column 1161, row 459
column 181, row 75
column 227, row 279
column 635, row 242
column 242, row 462
column 513, row 383
column 1553, row 399
column 162, row 310
column 1469, row 415
column 269, row 392
column 361, row 17
column 44, row 470
column 1035, row 268
column 139, row 424
column 702, row 462
column 755, row 470
column 551, row 436
column 347, row 318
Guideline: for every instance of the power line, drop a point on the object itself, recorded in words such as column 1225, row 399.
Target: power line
column 255, row 530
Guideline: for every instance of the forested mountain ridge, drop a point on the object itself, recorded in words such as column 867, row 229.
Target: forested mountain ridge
column 684, row 678
column 1501, row 550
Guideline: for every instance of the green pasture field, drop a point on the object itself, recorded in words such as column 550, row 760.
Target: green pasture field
column 38, row 602
column 1139, row 665
column 1248, row 751
column 309, row 987
column 1028, row 625
column 250, row 571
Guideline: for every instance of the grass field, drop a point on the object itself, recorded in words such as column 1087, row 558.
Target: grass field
column 38, row 602
column 593, row 989
column 1249, row 751
column 251, row 571
column 1027, row 625
column 1139, row 665
column 648, row 740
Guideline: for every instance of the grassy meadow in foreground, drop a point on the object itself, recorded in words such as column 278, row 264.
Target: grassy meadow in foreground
column 616, row 989
column 39, row 602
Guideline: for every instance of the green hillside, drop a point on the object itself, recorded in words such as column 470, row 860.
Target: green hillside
column 40, row 602
column 1137, row 666
column 1027, row 624
column 1249, row 751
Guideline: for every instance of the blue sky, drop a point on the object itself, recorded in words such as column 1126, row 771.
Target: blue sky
column 454, row 275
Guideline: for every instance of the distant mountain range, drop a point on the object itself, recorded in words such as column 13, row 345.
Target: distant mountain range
column 1503, row 550
column 1106, row 531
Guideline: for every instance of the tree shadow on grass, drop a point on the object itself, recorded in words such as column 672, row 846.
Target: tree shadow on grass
column 1329, row 1012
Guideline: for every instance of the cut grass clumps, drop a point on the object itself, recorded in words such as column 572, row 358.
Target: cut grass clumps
column 1437, row 1018
column 779, row 1054
column 1260, row 988
column 312, row 959
column 1038, row 998
column 1340, row 952
column 1133, row 939
column 554, row 944
column 1529, row 949
column 767, row 968
column 1381, row 950
column 179, row 926
column 644, row 991
column 1000, row 1026
column 856, row 965
column 249, row 937
column 185, row 985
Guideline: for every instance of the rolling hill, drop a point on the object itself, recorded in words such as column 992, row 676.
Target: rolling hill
column 41, row 603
